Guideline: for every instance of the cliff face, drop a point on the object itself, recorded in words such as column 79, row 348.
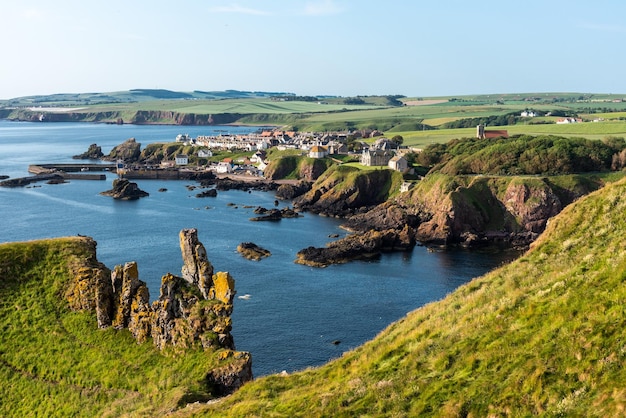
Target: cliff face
column 473, row 210
column 140, row 117
column 343, row 191
column 192, row 310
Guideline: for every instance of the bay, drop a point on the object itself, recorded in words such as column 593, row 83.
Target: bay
column 287, row 315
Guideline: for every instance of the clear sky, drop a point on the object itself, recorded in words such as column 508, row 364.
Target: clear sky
column 313, row 47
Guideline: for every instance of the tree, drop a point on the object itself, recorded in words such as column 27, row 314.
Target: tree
column 397, row 139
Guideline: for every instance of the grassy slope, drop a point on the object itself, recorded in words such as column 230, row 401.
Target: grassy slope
column 54, row 362
column 544, row 335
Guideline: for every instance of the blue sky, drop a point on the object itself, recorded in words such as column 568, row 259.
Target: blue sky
column 313, row 47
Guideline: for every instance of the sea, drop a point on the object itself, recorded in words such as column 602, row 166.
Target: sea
column 288, row 316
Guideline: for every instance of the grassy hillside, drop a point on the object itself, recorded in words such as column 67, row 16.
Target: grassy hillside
column 55, row 362
column 543, row 335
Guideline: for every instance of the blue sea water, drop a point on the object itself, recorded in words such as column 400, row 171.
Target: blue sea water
column 287, row 315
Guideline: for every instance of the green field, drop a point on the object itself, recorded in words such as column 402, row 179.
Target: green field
column 420, row 120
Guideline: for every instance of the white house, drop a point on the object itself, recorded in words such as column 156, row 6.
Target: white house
column 224, row 167
column 205, row 153
column 182, row 159
column 398, row 163
column 528, row 114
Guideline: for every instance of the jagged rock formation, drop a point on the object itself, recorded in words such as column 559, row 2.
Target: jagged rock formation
column 197, row 269
column 94, row 152
column 128, row 151
column 125, row 190
column 192, row 310
column 251, row 251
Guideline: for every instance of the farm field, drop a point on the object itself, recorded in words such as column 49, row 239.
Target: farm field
column 420, row 121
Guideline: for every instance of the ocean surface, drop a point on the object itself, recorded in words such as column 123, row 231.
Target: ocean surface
column 287, row 315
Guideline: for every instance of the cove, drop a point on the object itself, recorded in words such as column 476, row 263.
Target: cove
column 288, row 316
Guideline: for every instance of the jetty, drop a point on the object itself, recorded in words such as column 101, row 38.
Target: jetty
column 59, row 173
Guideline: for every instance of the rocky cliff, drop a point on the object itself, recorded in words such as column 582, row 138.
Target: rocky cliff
column 303, row 168
column 140, row 117
column 442, row 209
column 191, row 311
column 473, row 210
column 128, row 151
column 342, row 191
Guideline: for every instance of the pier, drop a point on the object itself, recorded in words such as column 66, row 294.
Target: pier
column 59, row 173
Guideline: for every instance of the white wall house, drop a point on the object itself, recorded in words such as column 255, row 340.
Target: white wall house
column 398, row 163
column 205, row 153
column 182, row 159
column 224, row 167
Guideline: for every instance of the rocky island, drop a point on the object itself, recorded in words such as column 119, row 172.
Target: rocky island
column 125, row 190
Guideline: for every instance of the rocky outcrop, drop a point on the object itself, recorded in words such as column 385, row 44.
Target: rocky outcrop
column 358, row 247
column 94, row 152
column 197, row 269
column 128, row 151
column 251, row 251
column 274, row 214
column 302, row 168
column 207, row 193
column 473, row 210
column 291, row 191
column 125, row 190
column 344, row 191
column 192, row 311
column 227, row 183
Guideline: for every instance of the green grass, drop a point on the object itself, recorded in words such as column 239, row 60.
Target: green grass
column 542, row 336
column 55, row 362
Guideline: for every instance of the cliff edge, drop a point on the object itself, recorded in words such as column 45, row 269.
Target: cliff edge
column 81, row 339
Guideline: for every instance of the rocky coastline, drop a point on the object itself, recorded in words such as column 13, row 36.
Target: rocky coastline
column 193, row 309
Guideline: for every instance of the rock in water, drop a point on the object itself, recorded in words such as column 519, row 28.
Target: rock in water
column 252, row 251
column 93, row 153
column 125, row 190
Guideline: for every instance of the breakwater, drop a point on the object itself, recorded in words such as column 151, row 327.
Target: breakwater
column 58, row 173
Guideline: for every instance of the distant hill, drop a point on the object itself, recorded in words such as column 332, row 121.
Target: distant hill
column 134, row 95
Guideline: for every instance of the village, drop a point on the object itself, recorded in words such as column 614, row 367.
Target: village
column 382, row 152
